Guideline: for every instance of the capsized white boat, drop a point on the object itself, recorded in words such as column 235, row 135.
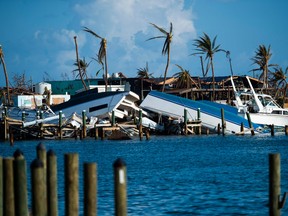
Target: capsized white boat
column 100, row 104
column 173, row 106
column 263, row 109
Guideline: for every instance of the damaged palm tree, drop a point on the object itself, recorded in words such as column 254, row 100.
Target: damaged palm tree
column 6, row 76
column 166, row 47
column 79, row 65
column 102, row 53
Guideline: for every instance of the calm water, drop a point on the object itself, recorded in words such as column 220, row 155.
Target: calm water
column 193, row 175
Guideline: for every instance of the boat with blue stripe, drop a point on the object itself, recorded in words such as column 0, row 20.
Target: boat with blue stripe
column 174, row 106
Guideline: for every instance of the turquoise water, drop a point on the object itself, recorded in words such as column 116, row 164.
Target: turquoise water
column 176, row 175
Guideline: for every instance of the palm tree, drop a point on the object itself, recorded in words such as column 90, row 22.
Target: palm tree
column 83, row 68
column 5, row 73
column 261, row 58
column 279, row 79
column 184, row 79
column 79, row 64
column 166, row 47
column 205, row 46
column 143, row 73
column 102, row 53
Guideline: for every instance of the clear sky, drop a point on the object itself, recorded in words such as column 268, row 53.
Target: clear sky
column 37, row 35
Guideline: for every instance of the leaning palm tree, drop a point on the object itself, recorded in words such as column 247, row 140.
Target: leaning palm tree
column 143, row 73
column 102, row 53
column 79, row 64
column 166, row 47
column 5, row 74
column 205, row 46
column 261, row 58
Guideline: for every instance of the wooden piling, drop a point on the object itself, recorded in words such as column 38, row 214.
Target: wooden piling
column 242, row 128
column 223, row 122
column 250, row 124
column 42, row 155
column 147, row 134
column 140, row 125
column 96, row 131
column 11, row 136
column 84, row 132
column 39, row 204
column 1, row 186
column 8, row 187
column 272, row 130
column 218, row 129
column 120, row 184
column 52, row 190
column 90, row 189
column 274, row 184
column 185, row 122
column 60, row 125
column 286, row 130
column 113, row 119
column 20, row 183
column 71, row 185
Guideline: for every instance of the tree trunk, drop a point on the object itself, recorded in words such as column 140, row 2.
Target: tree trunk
column 78, row 62
column 6, row 77
column 213, row 80
column 106, row 72
column 166, row 69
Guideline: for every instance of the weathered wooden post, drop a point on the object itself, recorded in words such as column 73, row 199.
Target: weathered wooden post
column 84, row 132
column 113, row 118
column 11, row 136
column 286, row 130
column 60, row 125
column 96, row 131
column 147, row 134
column 20, row 184
column 42, row 155
column 272, row 130
column 242, row 128
column 52, row 191
column 250, row 124
column 71, row 184
column 185, row 122
column 39, row 204
column 90, row 189
column 218, row 129
column 140, row 125
column 223, row 122
column 1, row 186
column 274, row 184
column 8, row 187
column 199, row 119
column 120, row 184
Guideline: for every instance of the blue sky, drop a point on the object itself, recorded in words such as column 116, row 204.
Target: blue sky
column 37, row 35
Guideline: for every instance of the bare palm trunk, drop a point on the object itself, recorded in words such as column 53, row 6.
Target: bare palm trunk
column 78, row 62
column 106, row 72
column 6, row 77
column 202, row 66
column 265, row 77
column 213, row 80
column 166, row 69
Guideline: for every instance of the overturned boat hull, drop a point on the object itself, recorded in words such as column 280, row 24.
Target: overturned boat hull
column 173, row 106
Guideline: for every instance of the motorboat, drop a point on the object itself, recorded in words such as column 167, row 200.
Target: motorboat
column 263, row 109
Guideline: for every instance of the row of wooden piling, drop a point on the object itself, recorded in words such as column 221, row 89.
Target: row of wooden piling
column 44, row 201
column 44, row 191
